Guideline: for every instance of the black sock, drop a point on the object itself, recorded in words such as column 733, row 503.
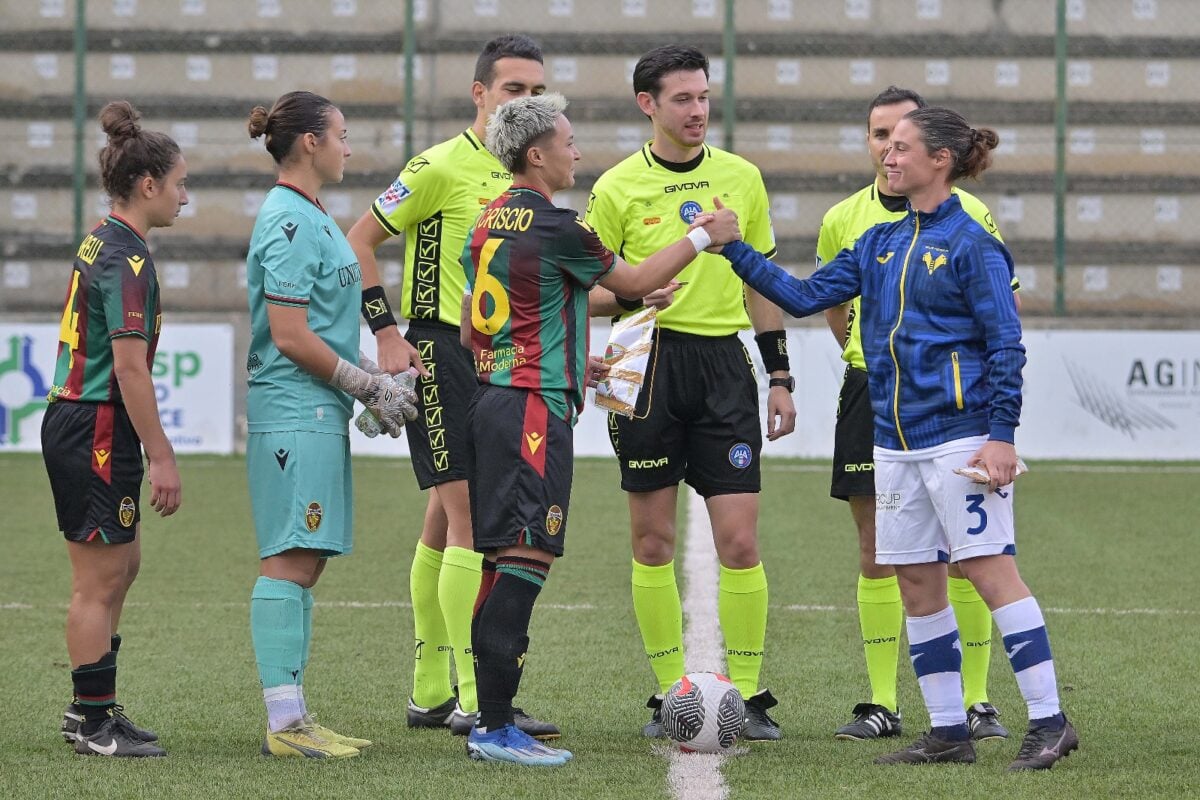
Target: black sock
column 501, row 637
column 96, row 691
column 115, row 642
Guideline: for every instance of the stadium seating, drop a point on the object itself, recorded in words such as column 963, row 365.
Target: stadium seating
column 804, row 73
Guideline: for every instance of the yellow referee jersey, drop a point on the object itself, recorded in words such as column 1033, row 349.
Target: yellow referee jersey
column 434, row 202
column 642, row 205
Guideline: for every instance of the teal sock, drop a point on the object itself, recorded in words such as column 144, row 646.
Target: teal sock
column 277, row 630
column 307, row 605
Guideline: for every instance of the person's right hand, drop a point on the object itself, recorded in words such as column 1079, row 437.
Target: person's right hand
column 661, row 298
column 396, row 354
column 166, row 490
column 723, row 228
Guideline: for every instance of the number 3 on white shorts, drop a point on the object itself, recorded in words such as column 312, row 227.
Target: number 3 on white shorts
column 975, row 506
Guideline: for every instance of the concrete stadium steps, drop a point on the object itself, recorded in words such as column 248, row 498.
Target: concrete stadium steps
column 194, row 283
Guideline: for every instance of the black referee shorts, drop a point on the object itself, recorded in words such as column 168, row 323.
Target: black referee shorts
column 854, row 439
column 437, row 438
column 696, row 419
column 94, row 459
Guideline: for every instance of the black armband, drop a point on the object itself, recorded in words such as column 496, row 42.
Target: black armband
column 628, row 305
column 375, row 308
column 772, row 346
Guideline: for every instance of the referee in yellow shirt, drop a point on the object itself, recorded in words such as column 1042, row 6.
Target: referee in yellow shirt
column 697, row 417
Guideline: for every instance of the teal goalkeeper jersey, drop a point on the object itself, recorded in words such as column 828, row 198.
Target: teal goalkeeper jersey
column 299, row 258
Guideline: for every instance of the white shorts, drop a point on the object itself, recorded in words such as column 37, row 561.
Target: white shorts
column 924, row 512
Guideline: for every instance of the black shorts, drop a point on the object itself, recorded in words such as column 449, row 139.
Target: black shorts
column 437, row 438
column 94, row 459
column 854, row 439
column 696, row 419
column 520, row 458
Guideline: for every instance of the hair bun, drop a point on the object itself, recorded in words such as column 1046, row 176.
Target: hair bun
column 257, row 123
column 119, row 119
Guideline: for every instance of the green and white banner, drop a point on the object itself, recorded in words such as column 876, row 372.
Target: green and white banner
column 192, row 373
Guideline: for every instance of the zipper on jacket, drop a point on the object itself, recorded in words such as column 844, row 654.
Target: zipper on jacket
column 958, row 401
column 892, row 335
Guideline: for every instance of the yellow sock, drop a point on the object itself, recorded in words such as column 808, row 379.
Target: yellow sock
column 431, row 665
column 975, row 633
column 660, row 619
column 458, row 585
column 742, row 607
column 880, row 617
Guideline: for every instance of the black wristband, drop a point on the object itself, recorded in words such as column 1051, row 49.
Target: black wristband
column 375, row 308
column 628, row 305
column 772, row 346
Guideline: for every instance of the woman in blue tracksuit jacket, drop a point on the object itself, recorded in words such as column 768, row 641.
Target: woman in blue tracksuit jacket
column 942, row 341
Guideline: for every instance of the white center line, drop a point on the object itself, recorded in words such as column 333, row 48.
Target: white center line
column 697, row 776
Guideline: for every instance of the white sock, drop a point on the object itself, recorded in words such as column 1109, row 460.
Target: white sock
column 285, row 706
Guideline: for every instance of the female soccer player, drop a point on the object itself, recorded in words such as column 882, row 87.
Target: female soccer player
column 102, row 412
column 942, row 341
column 305, row 292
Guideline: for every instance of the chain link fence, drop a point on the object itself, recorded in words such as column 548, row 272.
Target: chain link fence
column 801, row 74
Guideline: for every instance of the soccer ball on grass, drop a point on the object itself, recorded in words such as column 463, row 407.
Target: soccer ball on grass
column 703, row 712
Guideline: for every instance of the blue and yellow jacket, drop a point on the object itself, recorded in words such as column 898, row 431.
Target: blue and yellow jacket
column 940, row 329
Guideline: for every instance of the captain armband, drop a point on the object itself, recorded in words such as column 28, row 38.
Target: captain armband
column 375, row 308
column 772, row 346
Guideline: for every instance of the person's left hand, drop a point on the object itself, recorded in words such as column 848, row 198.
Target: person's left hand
column 596, row 371
column 999, row 460
column 781, row 413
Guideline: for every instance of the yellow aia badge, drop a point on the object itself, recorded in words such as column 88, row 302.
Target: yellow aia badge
column 554, row 520
column 126, row 511
column 312, row 516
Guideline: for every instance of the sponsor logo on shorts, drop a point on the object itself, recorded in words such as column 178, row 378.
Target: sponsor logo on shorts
column 554, row 520
column 313, row 515
column 888, row 501
column 689, row 210
column 867, row 467
column 740, row 455
column 102, row 459
column 126, row 511
column 534, row 440
column 281, row 456
column 648, row 463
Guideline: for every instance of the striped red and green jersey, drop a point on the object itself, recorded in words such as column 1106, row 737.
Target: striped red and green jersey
column 113, row 292
column 530, row 265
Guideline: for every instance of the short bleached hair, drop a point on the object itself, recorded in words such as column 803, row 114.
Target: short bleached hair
column 516, row 124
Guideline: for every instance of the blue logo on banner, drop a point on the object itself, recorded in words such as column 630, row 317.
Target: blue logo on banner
column 689, row 210
column 740, row 455
column 20, row 360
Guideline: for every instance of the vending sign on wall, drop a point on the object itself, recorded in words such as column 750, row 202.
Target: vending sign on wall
column 192, row 374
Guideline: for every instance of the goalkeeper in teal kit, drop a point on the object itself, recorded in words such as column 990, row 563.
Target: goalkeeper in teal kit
column 305, row 291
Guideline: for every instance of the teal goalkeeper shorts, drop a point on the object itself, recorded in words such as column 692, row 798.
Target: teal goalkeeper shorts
column 301, row 492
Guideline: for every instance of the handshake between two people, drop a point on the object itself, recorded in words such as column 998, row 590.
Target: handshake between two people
column 391, row 400
column 721, row 225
